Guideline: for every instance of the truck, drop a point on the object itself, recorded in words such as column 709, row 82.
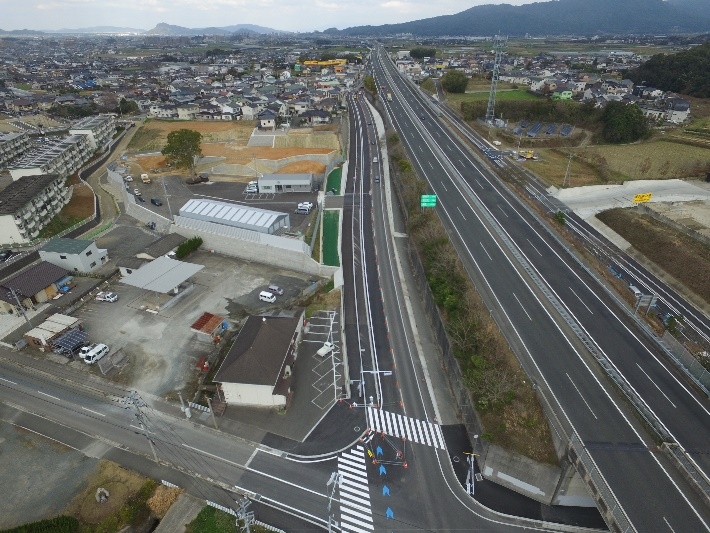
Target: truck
column 145, row 178
column 389, row 97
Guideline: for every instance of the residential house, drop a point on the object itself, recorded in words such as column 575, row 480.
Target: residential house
column 32, row 286
column 257, row 370
column 267, row 120
column 74, row 254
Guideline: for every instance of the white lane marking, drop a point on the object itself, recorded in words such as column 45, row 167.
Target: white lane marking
column 49, row 395
column 142, row 429
column 444, row 186
column 251, row 458
column 655, row 385
column 92, row 411
column 461, row 212
column 46, row 437
column 578, row 298
column 521, row 305
column 484, row 249
column 213, row 455
column 501, row 210
column 432, row 166
column 260, row 473
column 8, row 381
column 580, row 395
column 531, row 244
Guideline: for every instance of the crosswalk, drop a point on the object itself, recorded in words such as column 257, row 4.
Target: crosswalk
column 412, row 429
column 355, row 510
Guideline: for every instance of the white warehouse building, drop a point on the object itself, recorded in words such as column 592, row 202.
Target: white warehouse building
column 239, row 216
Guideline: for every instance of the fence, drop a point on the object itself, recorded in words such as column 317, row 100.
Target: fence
column 688, row 361
column 685, row 230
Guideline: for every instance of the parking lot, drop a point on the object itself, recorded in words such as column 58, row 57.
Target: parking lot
column 153, row 330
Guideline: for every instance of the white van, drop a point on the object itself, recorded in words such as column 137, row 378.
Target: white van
column 266, row 296
column 91, row 354
column 375, row 160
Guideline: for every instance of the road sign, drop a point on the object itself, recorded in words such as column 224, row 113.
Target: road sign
column 428, row 200
column 644, row 197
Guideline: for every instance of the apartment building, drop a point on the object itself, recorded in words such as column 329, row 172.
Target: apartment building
column 28, row 204
column 62, row 156
column 12, row 145
column 100, row 130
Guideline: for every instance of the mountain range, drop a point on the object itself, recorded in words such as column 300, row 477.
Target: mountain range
column 556, row 17
column 560, row 17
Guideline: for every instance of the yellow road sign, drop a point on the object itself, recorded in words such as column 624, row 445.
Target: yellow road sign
column 644, row 197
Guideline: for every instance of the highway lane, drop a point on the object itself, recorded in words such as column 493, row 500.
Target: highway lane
column 679, row 408
column 457, row 213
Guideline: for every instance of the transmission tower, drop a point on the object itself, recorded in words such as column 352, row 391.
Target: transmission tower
column 499, row 43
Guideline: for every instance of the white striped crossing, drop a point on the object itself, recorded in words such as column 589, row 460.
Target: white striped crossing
column 401, row 426
column 355, row 509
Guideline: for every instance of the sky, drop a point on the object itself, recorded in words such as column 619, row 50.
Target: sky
column 288, row 15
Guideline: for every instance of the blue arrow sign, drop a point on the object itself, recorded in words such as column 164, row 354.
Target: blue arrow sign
column 385, row 490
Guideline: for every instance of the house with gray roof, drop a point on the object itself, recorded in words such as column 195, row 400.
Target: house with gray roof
column 34, row 285
column 75, row 255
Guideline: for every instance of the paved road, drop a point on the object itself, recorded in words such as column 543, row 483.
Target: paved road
column 503, row 248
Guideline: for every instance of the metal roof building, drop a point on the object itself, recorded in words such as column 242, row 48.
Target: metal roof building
column 240, row 216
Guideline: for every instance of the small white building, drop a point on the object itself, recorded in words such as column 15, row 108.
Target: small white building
column 278, row 183
column 74, row 254
column 257, row 370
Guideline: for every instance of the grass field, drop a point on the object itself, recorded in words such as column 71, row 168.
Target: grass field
column 512, row 94
column 594, row 165
column 684, row 258
column 331, row 228
column 334, row 180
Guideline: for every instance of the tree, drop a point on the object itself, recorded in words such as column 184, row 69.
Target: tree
column 126, row 107
column 182, row 148
column 421, row 52
column 370, row 84
column 623, row 123
column 454, row 81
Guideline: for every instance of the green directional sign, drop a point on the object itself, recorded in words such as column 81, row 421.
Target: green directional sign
column 428, row 200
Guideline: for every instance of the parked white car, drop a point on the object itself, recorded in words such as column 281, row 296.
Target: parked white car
column 107, row 297
column 325, row 349
column 127, row 178
column 307, row 205
column 92, row 353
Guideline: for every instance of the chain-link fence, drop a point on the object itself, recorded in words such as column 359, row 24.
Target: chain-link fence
column 687, row 360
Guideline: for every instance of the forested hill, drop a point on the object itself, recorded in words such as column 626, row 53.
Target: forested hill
column 561, row 17
column 686, row 72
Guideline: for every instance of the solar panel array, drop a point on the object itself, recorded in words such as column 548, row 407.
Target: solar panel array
column 532, row 132
column 566, row 130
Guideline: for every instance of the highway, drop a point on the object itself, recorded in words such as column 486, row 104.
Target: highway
column 552, row 310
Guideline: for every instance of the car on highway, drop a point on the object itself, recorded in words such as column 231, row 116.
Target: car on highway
column 136, row 192
column 140, row 199
column 5, row 255
column 156, row 201
column 372, row 141
column 107, row 297
column 422, row 116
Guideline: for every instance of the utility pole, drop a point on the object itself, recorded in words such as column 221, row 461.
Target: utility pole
column 209, row 404
column 21, row 307
column 134, row 399
column 167, row 200
column 242, row 514
column 334, row 482
column 569, row 164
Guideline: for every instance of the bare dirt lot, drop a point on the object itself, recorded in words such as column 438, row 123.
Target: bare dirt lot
column 243, row 155
column 154, row 133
